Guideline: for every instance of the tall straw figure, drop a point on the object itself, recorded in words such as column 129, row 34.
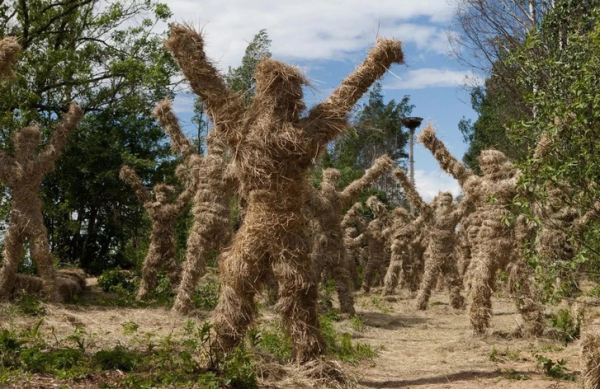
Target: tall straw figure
column 273, row 149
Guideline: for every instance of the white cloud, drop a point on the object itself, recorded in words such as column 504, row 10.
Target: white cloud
column 429, row 184
column 434, row 78
column 313, row 29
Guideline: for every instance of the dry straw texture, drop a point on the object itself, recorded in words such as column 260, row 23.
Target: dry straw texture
column 9, row 49
column 273, row 148
column 328, row 205
column 163, row 213
column 590, row 361
column 441, row 219
column 495, row 246
column 376, row 243
column 211, row 229
column 70, row 282
column 23, row 175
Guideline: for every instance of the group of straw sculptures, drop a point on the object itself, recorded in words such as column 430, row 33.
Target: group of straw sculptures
column 377, row 256
column 327, row 205
column 163, row 211
column 440, row 219
column 272, row 150
column 211, row 230
column 23, row 174
column 497, row 244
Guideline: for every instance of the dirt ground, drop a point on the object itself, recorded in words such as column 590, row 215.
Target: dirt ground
column 430, row 349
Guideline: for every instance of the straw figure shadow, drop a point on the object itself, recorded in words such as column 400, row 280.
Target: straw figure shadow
column 273, row 148
column 23, row 174
column 328, row 205
column 163, row 212
column 376, row 243
column 496, row 245
column 211, row 229
column 354, row 240
column 441, row 220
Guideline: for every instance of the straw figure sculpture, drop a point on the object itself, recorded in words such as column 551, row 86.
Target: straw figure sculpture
column 400, row 233
column 375, row 235
column 494, row 246
column 353, row 224
column 330, row 255
column 23, row 174
column 441, row 221
column 9, row 49
column 164, row 213
column 273, row 149
column 211, row 228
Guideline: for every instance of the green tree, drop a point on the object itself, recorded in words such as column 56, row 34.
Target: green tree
column 91, row 53
column 376, row 130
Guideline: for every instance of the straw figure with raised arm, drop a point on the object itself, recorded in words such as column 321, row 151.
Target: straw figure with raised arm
column 9, row 49
column 163, row 212
column 495, row 245
column 211, row 229
column 330, row 255
column 273, row 147
column 23, row 174
column 399, row 235
column 353, row 225
column 375, row 235
column 441, row 221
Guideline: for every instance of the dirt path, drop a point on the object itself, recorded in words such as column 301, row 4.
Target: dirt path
column 435, row 349
column 431, row 349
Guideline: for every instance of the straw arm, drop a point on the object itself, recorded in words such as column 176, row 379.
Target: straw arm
column 589, row 216
column 356, row 241
column 326, row 120
column 352, row 191
column 352, row 216
column 180, row 144
column 411, row 193
column 224, row 106
column 128, row 175
column 446, row 160
column 7, row 166
column 316, row 204
column 465, row 207
column 184, row 197
column 59, row 137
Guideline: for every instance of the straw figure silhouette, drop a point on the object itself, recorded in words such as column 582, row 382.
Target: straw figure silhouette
column 495, row 245
column 273, row 147
column 399, row 235
column 329, row 252
column 211, row 229
column 375, row 235
column 354, row 240
column 441, row 220
column 163, row 212
column 23, row 174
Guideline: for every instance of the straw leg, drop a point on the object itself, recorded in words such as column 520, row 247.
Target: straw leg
column 432, row 271
column 343, row 283
column 453, row 282
column 171, row 266
column 40, row 252
column 149, row 272
column 196, row 257
column 13, row 250
column 392, row 276
column 298, row 298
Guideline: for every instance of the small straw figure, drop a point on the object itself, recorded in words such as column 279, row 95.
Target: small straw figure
column 164, row 214
column 211, row 229
column 441, row 219
column 23, row 175
column 330, row 255
column 353, row 224
column 400, row 235
column 375, row 235
column 495, row 244
column 273, row 149
column 9, row 49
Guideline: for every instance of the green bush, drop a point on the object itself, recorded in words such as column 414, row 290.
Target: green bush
column 566, row 327
column 116, row 280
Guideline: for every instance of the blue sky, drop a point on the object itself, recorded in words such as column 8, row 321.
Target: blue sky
column 329, row 38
